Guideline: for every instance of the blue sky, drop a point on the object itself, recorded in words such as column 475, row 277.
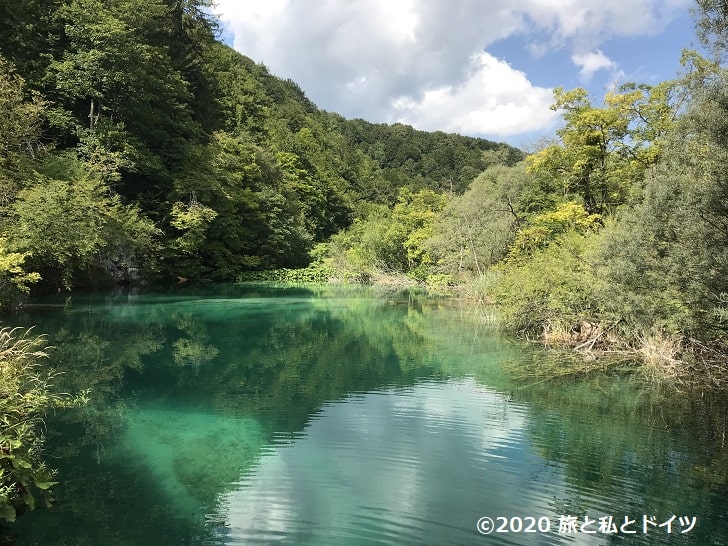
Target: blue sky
column 476, row 67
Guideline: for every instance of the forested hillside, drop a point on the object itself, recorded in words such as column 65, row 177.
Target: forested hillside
column 136, row 145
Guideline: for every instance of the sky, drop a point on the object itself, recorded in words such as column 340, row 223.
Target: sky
column 484, row 68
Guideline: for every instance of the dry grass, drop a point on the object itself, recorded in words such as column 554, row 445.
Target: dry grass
column 592, row 347
column 384, row 278
column 555, row 334
column 660, row 358
column 15, row 342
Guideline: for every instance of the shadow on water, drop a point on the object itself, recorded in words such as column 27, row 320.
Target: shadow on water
column 327, row 415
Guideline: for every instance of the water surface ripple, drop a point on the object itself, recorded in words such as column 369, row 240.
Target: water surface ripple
column 231, row 415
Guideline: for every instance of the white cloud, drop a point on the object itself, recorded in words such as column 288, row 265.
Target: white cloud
column 590, row 63
column 494, row 100
column 422, row 60
column 589, row 23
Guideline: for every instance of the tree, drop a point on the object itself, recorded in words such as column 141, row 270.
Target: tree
column 384, row 240
column 115, row 68
column 15, row 280
column 20, row 130
column 193, row 220
column 667, row 255
column 30, row 36
column 548, row 227
column 475, row 229
column 712, row 26
column 603, row 152
column 77, row 231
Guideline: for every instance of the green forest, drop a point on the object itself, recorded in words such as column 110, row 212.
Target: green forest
column 135, row 147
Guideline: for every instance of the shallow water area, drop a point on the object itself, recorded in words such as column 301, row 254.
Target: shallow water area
column 256, row 414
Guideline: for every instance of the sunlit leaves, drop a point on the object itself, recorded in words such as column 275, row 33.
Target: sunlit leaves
column 546, row 228
column 73, row 226
column 667, row 255
column 390, row 240
column 603, row 151
column 192, row 220
column 475, row 229
column 15, row 279
column 20, row 128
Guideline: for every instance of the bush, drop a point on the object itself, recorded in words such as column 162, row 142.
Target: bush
column 557, row 289
column 314, row 273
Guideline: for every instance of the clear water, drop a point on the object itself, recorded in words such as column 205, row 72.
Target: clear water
column 227, row 415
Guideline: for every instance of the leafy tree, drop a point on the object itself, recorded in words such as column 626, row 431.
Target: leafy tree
column 603, row 152
column 20, row 129
column 546, row 228
column 475, row 229
column 193, row 220
column 555, row 291
column 416, row 213
column 712, row 26
column 667, row 256
column 76, row 229
column 30, row 36
column 390, row 240
column 15, row 280
column 113, row 69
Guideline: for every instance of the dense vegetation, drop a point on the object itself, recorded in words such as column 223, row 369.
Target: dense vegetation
column 25, row 396
column 135, row 146
column 610, row 239
column 138, row 146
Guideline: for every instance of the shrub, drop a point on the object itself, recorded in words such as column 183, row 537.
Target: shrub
column 557, row 289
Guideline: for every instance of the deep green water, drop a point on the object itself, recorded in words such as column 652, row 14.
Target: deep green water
column 326, row 416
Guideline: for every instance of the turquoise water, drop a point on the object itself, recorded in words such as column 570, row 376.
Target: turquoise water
column 227, row 415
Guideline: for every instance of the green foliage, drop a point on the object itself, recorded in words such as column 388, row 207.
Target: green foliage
column 475, row 229
column 712, row 26
column 158, row 111
column 20, row 127
column 418, row 160
column 390, row 240
column 24, row 398
column 546, row 228
column 193, row 220
column 14, row 279
column 603, row 152
column 415, row 215
column 113, row 68
column 316, row 272
column 667, row 255
column 372, row 243
column 556, row 288
column 75, row 227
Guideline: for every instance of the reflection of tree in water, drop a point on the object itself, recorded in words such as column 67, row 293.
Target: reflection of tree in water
column 616, row 438
column 176, row 386
column 188, row 392
column 194, row 349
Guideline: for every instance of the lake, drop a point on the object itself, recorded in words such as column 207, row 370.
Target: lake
column 254, row 414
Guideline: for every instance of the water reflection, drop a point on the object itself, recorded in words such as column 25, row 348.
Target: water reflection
column 417, row 465
column 238, row 415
